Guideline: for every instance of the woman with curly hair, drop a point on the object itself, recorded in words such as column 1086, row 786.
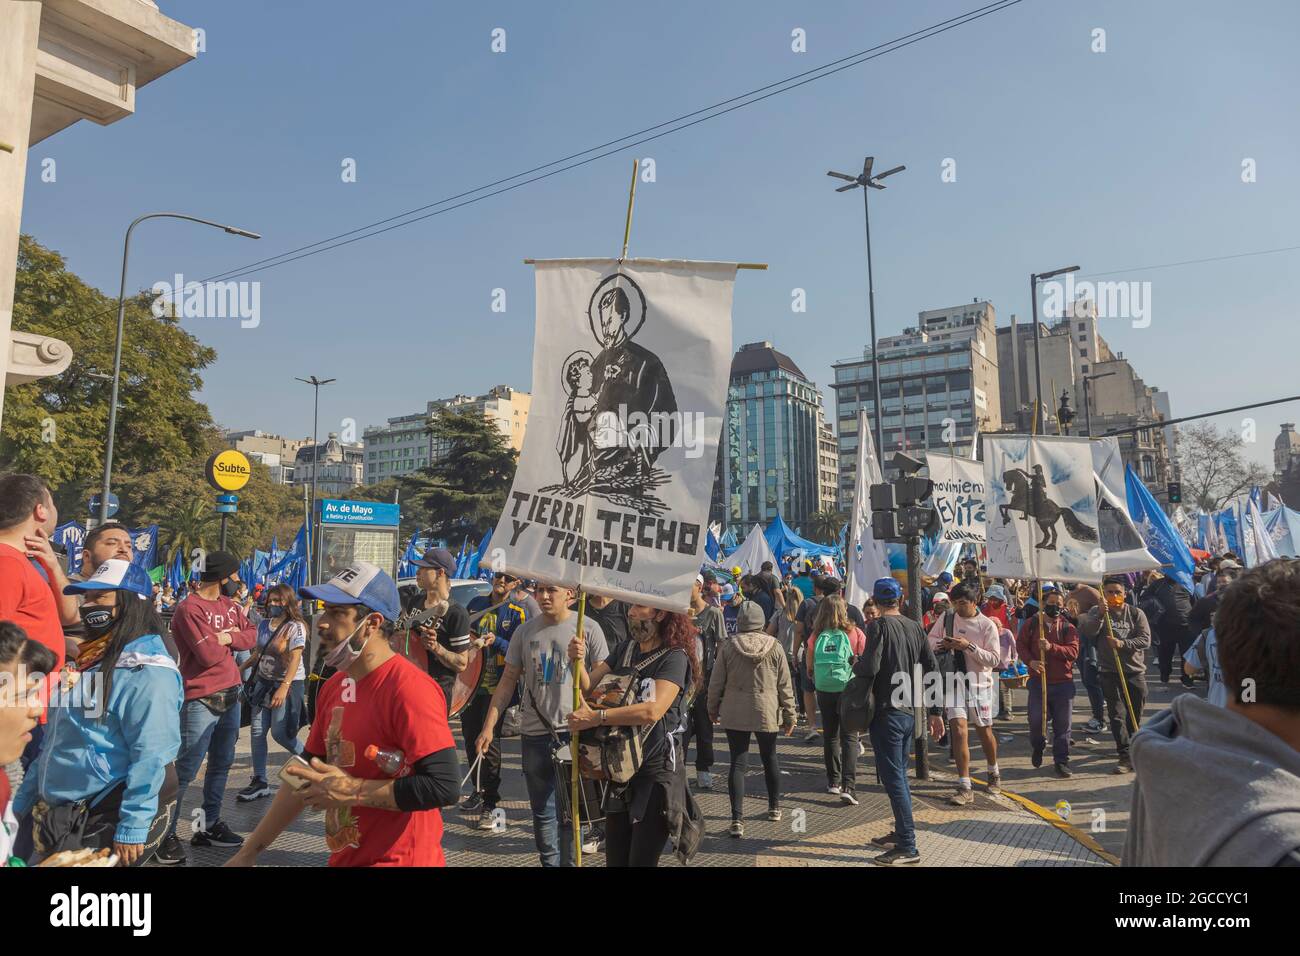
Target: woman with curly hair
column 660, row 650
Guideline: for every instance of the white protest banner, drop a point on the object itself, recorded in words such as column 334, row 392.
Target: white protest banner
column 959, row 496
column 868, row 561
column 1042, row 508
column 630, row 369
column 1120, row 540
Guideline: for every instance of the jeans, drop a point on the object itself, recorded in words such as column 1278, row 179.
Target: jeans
column 839, row 748
column 1060, row 704
column 1091, row 676
column 1117, row 707
column 489, row 774
column 891, row 736
column 282, row 722
column 554, row 839
column 700, row 727
column 205, row 734
column 640, row 843
column 738, row 744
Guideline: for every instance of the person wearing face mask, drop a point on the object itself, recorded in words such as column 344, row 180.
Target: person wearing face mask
column 113, row 731
column 275, row 690
column 23, row 667
column 208, row 628
column 1058, row 646
column 377, row 707
column 1121, row 645
column 640, row 816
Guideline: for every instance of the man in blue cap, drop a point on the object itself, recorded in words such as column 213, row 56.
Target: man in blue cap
column 897, row 649
column 382, row 758
column 445, row 638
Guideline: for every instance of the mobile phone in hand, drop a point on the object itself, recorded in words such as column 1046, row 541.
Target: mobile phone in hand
column 295, row 783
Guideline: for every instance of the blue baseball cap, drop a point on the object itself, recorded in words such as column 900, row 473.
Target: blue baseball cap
column 945, row 578
column 359, row 583
column 115, row 575
column 886, row 589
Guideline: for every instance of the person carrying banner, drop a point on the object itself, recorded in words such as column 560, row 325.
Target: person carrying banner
column 376, row 705
column 1122, row 636
column 540, row 655
column 1056, row 647
column 968, row 648
column 641, row 816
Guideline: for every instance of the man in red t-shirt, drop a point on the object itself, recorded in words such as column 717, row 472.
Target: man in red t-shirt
column 30, row 600
column 374, row 815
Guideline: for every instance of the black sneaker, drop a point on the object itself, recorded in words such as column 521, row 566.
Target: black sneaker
column 1187, row 681
column 886, row 842
column 170, row 852
column 1036, row 758
column 473, row 804
column 1063, row 770
column 896, row 857
column 254, row 791
column 217, row 835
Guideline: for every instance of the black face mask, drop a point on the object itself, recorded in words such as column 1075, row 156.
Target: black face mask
column 230, row 588
column 97, row 621
column 1052, row 611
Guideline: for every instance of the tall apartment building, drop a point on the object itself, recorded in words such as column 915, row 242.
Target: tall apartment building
column 1070, row 350
column 504, row 406
column 398, row 448
column 828, row 464
column 768, row 458
column 939, row 385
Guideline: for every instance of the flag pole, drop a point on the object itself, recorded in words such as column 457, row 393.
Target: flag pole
column 575, row 783
column 1029, row 503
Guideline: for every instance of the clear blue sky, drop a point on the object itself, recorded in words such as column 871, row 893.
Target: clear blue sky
column 1111, row 160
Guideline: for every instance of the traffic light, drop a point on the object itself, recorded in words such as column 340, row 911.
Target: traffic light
column 1175, row 490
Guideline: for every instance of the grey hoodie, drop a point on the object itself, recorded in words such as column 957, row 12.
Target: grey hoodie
column 750, row 688
column 1212, row 789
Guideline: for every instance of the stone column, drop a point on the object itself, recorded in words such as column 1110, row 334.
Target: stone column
column 20, row 25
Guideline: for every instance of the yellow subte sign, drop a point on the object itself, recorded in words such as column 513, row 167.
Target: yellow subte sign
column 228, row 470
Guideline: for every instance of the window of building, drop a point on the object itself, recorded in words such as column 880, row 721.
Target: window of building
column 1082, row 326
column 1084, row 366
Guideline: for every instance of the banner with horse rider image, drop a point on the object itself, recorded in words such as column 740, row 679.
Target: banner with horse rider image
column 1042, row 508
column 1124, row 547
column 959, row 496
column 630, row 368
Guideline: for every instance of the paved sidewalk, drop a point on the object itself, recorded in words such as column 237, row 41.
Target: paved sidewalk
column 817, row 829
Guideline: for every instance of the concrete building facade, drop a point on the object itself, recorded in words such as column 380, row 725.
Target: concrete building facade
column 398, row 448
column 341, row 466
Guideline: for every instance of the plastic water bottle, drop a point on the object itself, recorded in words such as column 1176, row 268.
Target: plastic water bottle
column 392, row 762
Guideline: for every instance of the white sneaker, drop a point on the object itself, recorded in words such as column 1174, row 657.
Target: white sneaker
column 862, row 749
column 834, row 790
column 704, row 780
column 848, row 799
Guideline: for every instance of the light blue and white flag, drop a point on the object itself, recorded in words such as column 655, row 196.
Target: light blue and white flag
column 868, row 560
column 1161, row 537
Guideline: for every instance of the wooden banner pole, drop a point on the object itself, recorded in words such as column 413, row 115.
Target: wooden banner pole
column 575, row 804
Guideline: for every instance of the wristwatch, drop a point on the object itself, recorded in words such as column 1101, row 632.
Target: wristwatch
column 601, row 715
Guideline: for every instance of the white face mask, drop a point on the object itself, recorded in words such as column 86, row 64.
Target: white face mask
column 345, row 655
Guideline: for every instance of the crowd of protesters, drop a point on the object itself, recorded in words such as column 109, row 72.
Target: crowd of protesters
column 118, row 693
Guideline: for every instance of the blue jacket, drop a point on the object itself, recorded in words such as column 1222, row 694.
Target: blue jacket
column 85, row 754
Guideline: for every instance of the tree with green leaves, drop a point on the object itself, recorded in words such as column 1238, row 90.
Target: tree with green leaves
column 825, row 525
column 159, row 421
column 462, row 493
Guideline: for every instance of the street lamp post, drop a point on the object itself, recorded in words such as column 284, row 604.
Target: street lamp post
column 1034, row 279
column 1087, row 404
column 868, row 181
column 314, row 558
column 121, row 325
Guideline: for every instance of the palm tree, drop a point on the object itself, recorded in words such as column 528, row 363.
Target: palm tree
column 189, row 528
column 825, row 525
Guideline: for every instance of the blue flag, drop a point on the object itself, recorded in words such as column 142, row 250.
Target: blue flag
column 144, row 547
column 476, row 561
column 70, row 536
column 176, row 574
column 1158, row 532
column 711, row 547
